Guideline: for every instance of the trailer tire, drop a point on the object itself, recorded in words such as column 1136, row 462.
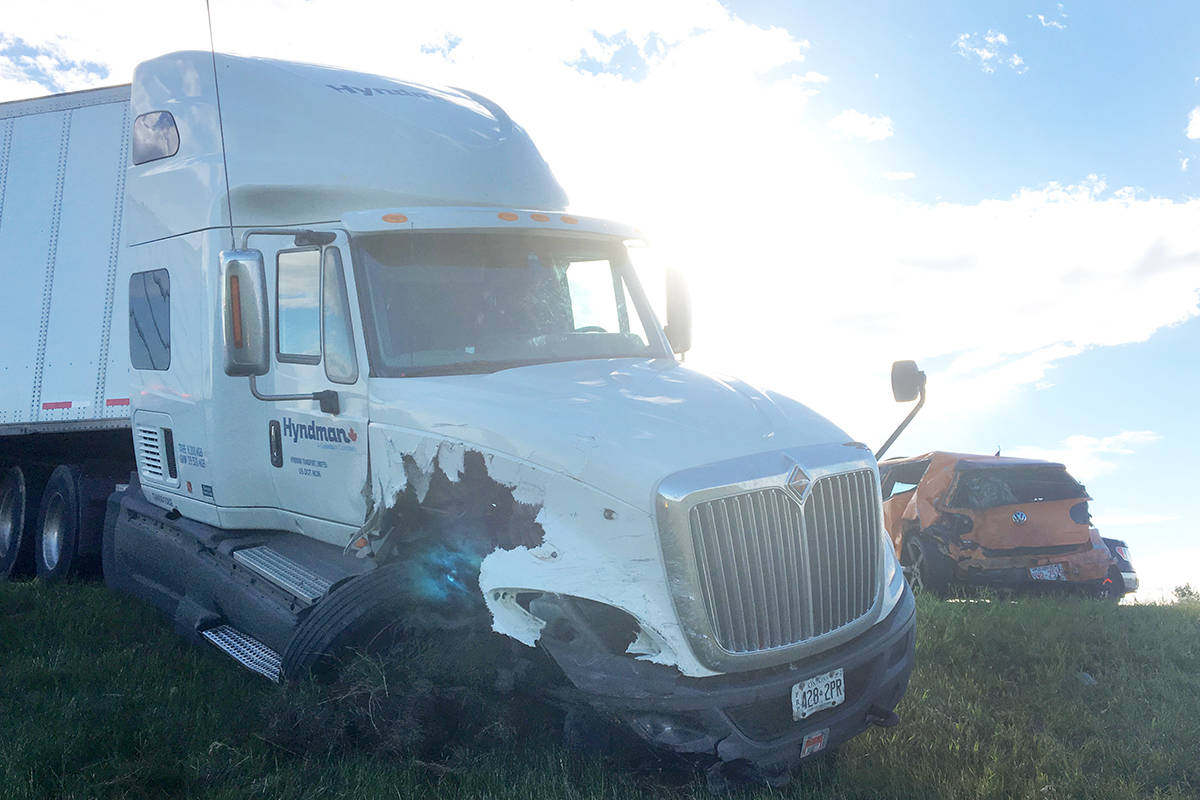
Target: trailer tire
column 19, row 490
column 361, row 614
column 59, row 525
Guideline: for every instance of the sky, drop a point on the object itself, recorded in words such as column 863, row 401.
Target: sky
column 1005, row 192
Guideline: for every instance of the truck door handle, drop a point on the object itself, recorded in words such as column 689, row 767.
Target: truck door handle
column 275, row 439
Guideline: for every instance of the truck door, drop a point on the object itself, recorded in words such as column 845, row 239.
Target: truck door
column 318, row 460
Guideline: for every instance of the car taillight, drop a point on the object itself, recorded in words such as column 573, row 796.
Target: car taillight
column 1080, row 513
column 1123, row 554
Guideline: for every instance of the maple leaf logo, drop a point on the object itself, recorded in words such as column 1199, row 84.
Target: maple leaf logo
column 353, row 435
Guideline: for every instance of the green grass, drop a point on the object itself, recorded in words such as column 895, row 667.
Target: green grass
column 99, row 698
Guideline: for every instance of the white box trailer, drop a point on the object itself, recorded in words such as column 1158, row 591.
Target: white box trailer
column 329, row 356
column 64, row 363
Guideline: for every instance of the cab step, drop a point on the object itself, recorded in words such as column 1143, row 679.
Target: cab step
column 307, row 586
column 246, row 650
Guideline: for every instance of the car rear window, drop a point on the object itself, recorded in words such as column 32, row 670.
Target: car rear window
column 1007, row 486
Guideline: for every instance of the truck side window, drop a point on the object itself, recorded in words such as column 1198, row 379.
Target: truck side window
column 154, row 136
column 600, row 302
column 341, row 364
column 297, row 302
column 150, row 319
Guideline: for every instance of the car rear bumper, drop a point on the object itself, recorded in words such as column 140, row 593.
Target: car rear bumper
column 749, row 715
column 1130, row 579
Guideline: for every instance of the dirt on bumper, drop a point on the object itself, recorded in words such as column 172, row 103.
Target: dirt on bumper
column 748, row 716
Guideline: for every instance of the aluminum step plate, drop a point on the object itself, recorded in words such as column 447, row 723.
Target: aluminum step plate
column 246, row 650
column 280, row 570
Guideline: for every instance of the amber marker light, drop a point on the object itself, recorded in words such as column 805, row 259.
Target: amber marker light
column 539, row 218
column 235, row 297
column 508, row 216
column 569, row 220
column 395, row 218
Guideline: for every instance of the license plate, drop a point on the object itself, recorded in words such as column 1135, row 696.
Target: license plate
column 817, row 694
column 1050, row 572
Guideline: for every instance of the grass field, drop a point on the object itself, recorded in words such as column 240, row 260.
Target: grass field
column 99, row 698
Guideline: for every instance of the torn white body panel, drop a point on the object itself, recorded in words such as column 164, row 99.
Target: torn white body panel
column 595, row 546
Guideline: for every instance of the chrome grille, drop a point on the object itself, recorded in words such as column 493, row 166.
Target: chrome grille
column 774, row 573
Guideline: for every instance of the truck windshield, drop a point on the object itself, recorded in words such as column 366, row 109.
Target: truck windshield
column 441, row 303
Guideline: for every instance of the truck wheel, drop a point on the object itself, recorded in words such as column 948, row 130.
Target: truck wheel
column 358, row 615
column 59, row 522
column 926, row 567
column 18, row 499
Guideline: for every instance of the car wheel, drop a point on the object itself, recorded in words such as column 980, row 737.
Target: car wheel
column 925, row 566
column 1113, row 589
column 59, row 521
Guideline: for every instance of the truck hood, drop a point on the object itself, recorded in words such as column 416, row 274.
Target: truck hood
column 619, row 425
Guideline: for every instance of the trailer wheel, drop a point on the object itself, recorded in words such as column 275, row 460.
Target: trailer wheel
column 18, row 492
column 359, row 615
column 59, row 522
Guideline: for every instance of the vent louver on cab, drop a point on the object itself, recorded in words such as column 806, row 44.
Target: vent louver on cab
column 151, row 454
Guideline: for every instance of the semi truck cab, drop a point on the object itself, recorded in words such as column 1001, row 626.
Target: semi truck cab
column 378, row 371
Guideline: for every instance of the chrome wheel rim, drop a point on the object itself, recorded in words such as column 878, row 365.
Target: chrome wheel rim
column 916, row 564
column 52, row 531
column 8, row 522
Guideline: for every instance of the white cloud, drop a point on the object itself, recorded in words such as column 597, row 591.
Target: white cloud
column 1184, row 163
column 862, row 126
column 1193, row 126
column 899, row 176
column 1054, row 21
column 989, row 51
column 1088, row 457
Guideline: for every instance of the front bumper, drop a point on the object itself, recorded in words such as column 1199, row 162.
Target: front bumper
column 747, row 715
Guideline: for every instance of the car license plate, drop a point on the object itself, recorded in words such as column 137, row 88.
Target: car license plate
column 817, row 694
column 1050, row 572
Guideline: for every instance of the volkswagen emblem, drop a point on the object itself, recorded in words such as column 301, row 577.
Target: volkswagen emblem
column 1019, row 518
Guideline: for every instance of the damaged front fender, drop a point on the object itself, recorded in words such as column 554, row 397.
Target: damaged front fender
column 484, row 533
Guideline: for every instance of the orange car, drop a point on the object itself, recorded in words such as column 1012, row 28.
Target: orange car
column 988, row 520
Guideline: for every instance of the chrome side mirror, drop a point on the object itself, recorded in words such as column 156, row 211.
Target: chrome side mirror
column 246, row 331
column 679, row 313
column 907, row 381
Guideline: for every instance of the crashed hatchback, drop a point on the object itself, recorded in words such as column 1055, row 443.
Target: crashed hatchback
column 958, row 519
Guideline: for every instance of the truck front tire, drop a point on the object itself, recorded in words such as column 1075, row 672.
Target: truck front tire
column 18, row 506
column 356, row 616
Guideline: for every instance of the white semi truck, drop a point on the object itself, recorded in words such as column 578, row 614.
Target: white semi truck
column 298, row 354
